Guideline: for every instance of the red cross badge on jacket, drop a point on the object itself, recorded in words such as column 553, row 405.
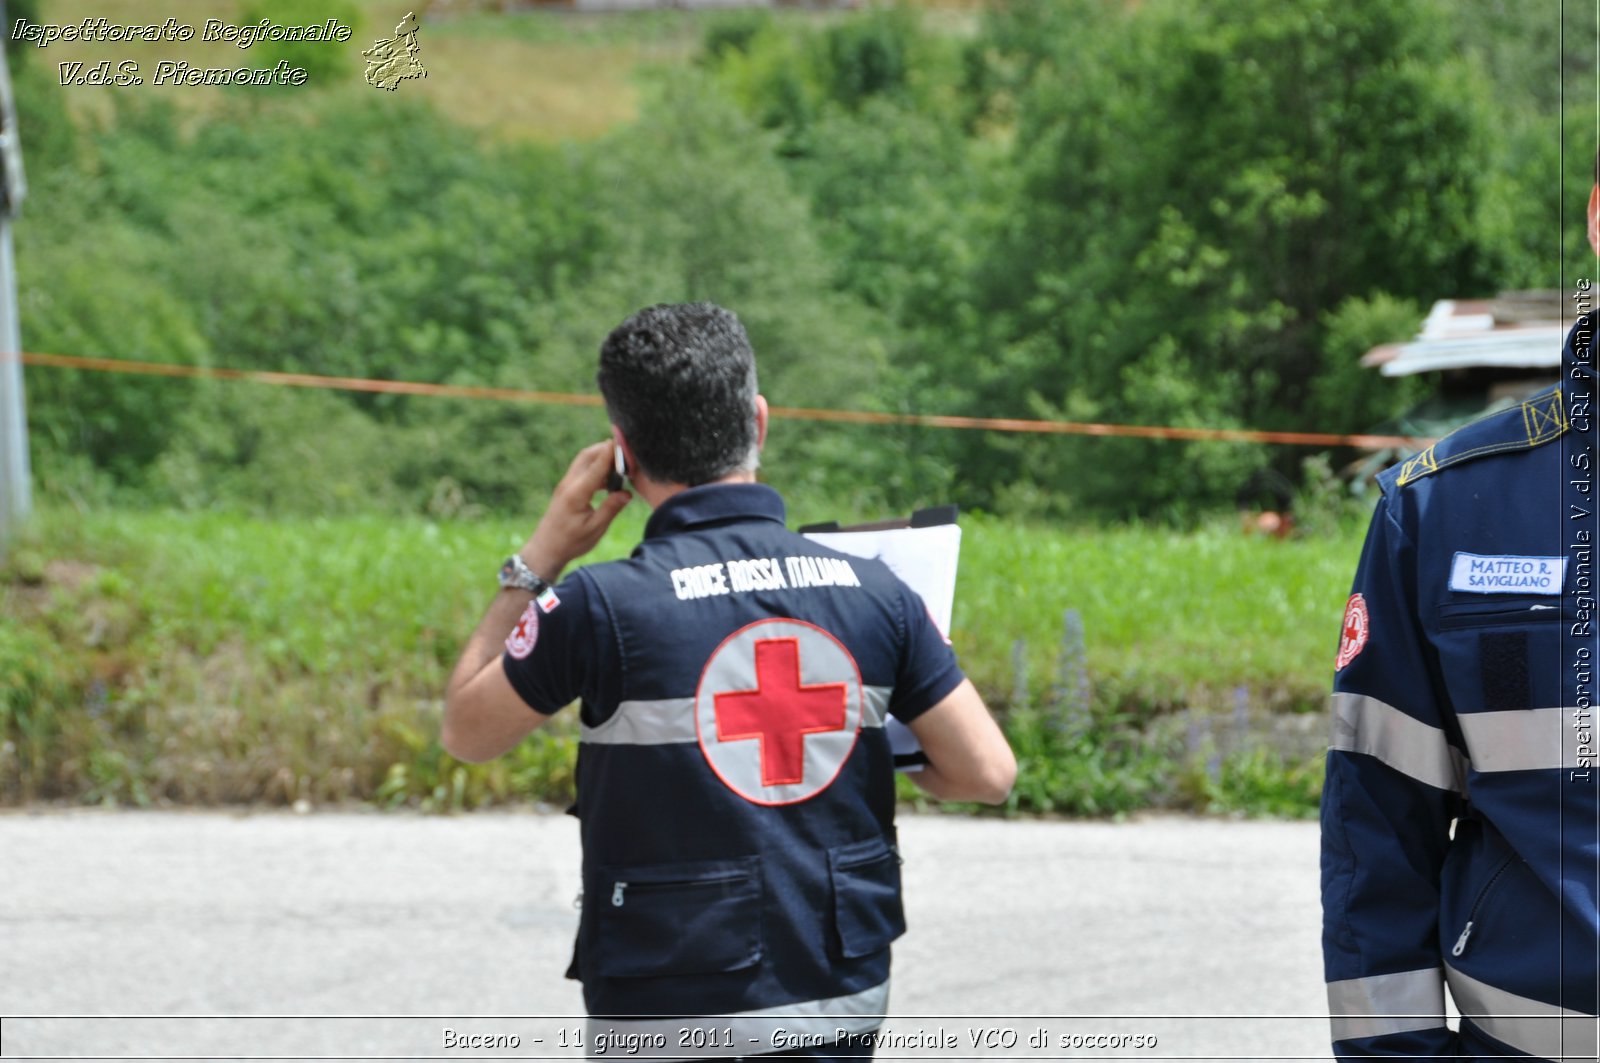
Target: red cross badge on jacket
column 778, row 710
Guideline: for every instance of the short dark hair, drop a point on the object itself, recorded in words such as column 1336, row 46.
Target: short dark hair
column 680, row 381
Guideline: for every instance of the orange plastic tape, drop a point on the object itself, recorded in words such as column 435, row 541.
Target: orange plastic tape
column 795, row 413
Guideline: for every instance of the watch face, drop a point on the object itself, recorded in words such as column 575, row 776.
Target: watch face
column 516, row 573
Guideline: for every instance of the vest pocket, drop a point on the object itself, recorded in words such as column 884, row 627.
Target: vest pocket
column 866, row 896
column 673, row 919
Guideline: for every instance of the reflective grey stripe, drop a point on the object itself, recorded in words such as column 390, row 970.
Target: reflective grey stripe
column 646, row 723
column 752, row 1031
column 658, row 723
column 1526, row 739
column 874, row 706
column 1530, row 1026
column 1386, row 1003
column 1366, row 725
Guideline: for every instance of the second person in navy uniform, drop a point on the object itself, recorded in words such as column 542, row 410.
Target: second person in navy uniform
column 1460, row 820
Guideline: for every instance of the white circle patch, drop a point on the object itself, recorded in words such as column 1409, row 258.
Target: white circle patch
column 778, row 710
column 1353, row 637
column 525, row 634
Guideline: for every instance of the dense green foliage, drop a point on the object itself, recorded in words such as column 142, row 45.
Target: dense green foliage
column 1167, row 213
column 151, row 658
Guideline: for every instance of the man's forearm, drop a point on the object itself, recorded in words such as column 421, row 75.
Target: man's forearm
column 936, row 784
column 489, row 638
column 969, row 758
column 933, row 783
column 483, row 714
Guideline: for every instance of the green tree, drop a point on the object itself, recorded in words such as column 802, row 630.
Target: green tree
column 1201, row 183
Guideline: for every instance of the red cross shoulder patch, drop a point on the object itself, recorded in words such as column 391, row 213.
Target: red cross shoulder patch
column 525, row 635
column 778, row 710
column 1353, row 638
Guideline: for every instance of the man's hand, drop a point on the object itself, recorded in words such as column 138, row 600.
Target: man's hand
column 572, row 524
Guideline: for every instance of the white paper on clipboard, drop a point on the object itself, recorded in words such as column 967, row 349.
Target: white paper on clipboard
column 925, row 558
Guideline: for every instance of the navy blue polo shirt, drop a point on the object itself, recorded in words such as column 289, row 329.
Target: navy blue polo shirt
column 713, row 559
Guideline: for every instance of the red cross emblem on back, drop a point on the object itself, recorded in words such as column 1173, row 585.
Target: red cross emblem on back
column 778, row 710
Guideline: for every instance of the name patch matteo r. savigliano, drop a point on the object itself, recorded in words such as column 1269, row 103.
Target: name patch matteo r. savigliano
column 1507, row 574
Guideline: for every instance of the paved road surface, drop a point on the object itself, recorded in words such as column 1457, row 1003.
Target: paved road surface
column 1013, row 926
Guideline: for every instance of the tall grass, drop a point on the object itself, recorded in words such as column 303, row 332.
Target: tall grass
column 1169, row 617
column 148, row 658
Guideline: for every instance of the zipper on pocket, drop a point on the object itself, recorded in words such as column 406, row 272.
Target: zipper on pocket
column 1483, row 895
column 1479, row 614
column 650, row 886
column 1461, row 942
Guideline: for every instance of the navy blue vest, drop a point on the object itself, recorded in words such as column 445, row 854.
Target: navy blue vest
column 735, row 784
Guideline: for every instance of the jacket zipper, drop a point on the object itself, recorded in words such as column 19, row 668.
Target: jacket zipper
column 1466, row 931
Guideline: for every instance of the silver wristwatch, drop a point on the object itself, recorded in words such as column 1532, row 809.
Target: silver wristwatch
column 516, row 573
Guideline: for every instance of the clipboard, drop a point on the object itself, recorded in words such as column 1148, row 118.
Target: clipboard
column 923, row 550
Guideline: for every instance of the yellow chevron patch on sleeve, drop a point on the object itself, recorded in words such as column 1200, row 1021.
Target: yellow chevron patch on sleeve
column 1418, row 467
column 1544, row 418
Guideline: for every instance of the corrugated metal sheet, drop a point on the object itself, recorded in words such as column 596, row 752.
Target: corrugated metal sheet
column 1518, row 330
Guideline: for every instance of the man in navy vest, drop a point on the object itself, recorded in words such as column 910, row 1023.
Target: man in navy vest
column 1461, row 813
column 741, row 881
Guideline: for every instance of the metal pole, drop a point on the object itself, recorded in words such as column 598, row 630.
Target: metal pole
column 16, row 483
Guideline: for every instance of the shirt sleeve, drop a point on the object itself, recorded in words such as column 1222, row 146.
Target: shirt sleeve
column 549, row 654
column 928, row 671
column 1394, row 782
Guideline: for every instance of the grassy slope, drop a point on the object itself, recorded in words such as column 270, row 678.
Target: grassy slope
column 205, row 657
column 1187, row 611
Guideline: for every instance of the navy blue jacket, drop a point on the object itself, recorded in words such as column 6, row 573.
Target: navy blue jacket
column 735, row 784
column 1460, row 823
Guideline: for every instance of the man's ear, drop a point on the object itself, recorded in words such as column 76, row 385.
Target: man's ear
column 761, row 421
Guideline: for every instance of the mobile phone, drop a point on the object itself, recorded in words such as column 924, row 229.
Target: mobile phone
column 619, row 471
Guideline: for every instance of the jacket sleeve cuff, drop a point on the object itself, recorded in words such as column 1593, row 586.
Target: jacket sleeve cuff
column 1391, row 1014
